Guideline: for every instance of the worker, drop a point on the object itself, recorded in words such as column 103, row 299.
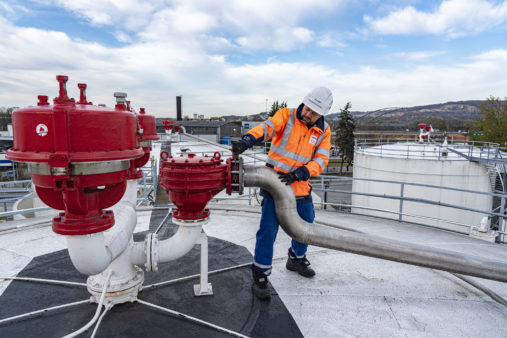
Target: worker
column 300, row 144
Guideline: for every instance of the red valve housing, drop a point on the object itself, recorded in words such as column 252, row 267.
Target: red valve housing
column 169, row 125
column 78, row 156
column 146, row 133
column 191, row 181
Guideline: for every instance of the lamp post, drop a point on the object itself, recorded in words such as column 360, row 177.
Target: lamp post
column 266, row 105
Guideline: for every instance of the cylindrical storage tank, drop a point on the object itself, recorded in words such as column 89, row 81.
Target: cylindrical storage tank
column 421, row 164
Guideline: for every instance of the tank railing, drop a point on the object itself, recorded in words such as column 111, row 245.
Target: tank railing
column 148, row 183
column 411, row 150
column 464, row 225
column 6, row 215
column 390, row 140
column 22, row 183
column 402, row 198
column 348, row 206
column 325, row 180
column 251, row 156
column 475, row 151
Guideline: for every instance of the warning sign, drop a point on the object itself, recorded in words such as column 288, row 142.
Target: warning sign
column 41, row 129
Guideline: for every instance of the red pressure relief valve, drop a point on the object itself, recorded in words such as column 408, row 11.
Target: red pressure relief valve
column 191, row 181
column 169, row 125
column 146, row 134
column 78, row 156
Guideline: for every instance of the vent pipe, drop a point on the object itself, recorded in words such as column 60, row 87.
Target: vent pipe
column 178, row 108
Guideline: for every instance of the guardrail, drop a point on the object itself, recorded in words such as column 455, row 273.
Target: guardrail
column 322, row 185
column 403, row 148
column 498, row 215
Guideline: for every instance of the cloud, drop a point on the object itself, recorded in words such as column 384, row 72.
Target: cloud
column 129, row 15
column 331, row 40
column 12, row 10
column 416, row 56
column 452, row 18
column 252, row 25
column 194, row 62
column 281, row 39
column 179, row 20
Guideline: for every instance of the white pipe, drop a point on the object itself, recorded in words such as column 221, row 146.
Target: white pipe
column 45, row 281
column 91, row 254
column 97, row 312
column 193, row 319
column 99, row 321
column 180, row 243
column 166, row 250
column 138, row 253
column 38, row 312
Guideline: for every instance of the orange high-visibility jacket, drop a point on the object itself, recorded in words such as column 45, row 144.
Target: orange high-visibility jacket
column 293, row 145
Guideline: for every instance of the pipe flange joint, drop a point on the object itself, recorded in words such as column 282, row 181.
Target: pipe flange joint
column 240, row 178
column 154, row 252
column 147, row 252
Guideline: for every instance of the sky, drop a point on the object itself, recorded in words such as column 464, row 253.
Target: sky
column 236, row 57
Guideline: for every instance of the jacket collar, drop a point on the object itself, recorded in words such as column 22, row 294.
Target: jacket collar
column 318, row 124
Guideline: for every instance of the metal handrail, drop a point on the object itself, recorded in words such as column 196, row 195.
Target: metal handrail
column 471, row 151
column 498, row 212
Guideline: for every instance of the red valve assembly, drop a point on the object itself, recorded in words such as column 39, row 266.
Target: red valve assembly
column 191, row 181
column 170, row 125
column 79, row 155
column 146, row 134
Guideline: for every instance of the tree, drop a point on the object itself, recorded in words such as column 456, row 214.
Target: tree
column 492, row 121
column 277, row 106
column 345, row 136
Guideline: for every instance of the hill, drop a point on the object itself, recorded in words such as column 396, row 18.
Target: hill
column 463, row 110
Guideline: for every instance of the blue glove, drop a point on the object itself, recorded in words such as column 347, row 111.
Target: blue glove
column 302, row 173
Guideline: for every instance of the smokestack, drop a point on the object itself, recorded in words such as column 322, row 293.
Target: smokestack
column 178, row 108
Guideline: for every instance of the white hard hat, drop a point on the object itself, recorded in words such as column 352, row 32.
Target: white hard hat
column 319, row 100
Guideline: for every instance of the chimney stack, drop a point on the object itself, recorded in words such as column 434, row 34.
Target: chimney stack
column 178, row 108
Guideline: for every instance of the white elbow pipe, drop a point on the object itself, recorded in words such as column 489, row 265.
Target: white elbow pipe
column 180, row 243
column 91, row 254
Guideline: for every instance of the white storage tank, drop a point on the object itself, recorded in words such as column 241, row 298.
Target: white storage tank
column 421, row 163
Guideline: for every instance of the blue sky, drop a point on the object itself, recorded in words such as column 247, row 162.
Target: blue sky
column 229, row 57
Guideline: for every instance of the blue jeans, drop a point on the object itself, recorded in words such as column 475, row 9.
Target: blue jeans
column 266, row 235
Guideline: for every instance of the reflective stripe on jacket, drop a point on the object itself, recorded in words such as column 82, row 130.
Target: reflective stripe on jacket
column 293, row 145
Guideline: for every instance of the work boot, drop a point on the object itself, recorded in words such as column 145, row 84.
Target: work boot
column 299, row 265
column 260, row 286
